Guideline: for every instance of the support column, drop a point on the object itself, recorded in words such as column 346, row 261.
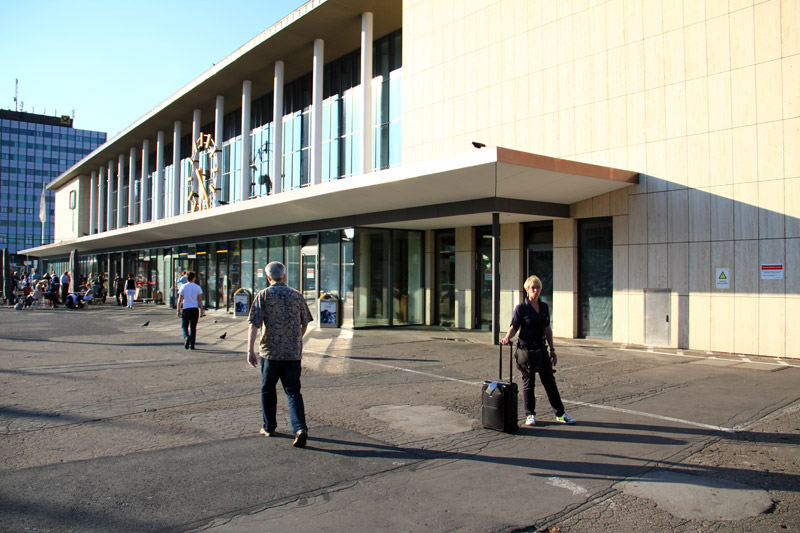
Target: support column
column 101, row 200
column 158, row 190
column 316, row 113
column 244, row 184
column 366, row 94
column 93, row 204
column 177, row 178
column 121, row 223
column 143, row 186
column 219, row 116
column 196, row 125
column 132, row 187
column 110, row 196
column 277, row 122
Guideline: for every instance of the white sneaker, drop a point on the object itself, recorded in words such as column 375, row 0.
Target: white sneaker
column 530, row 420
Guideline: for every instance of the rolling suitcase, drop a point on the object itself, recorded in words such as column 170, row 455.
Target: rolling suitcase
column 499, row 400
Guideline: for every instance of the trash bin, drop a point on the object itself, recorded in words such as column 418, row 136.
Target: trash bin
column 241, row 302
column 329, row 311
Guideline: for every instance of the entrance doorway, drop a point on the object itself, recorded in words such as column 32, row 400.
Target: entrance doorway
column 539, row 258
column 595, row 278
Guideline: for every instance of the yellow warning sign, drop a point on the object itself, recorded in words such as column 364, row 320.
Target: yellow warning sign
column 723, row 278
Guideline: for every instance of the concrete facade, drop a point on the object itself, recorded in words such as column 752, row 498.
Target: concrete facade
column 702, row 99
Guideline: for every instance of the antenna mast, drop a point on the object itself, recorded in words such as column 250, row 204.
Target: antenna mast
column 16, row 95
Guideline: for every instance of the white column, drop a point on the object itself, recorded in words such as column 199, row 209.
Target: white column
column 143, row 183
column 219, row 117
column 244, row 189
column 277, row 138
column 158, row 190
column 110, row 196
column 120, row 186
column 316, row 113
column 366, row 96
column 132, row 186
column 177, row 179
column 196, row 125
column 101, row 200
column 93, row 204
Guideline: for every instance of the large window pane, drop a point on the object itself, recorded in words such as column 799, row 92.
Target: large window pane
column 260, row 258
column 372, row 278
column 247, row 264
column 446, row 277
column 292, row 262
column 407, row 288
column 329, row 263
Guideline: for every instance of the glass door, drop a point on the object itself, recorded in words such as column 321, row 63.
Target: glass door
column 483, row 279
column 308, row 272
column 446, row 277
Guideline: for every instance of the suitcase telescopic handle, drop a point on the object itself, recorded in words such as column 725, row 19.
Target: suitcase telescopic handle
column 510, row 363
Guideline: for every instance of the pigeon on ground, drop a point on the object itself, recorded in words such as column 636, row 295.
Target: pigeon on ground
column 146, row 324
column 223, row 335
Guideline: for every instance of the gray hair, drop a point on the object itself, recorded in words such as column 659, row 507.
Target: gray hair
column 276, row 271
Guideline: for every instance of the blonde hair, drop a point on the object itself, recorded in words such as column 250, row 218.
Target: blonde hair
column 533, row 280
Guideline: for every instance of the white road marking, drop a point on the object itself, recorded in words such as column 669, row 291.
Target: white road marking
column 732, row 358
column 401, row 369
column 562, row 483
column 651, row 415
column 583, row 404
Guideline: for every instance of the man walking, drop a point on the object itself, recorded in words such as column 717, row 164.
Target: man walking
column 285, row 316
column 119, row 290
column 190, row 309
column 65, row 285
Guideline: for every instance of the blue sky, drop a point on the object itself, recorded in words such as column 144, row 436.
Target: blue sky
column 113, row 61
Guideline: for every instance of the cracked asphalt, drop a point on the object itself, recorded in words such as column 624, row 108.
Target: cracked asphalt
column 110, row 426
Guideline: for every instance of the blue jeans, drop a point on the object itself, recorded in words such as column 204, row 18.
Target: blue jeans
column 189, row 323
column 289, row 374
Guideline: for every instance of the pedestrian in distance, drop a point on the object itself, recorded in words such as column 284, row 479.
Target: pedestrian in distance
column 65, row 285
column 284, row 315
column 532, row 320
column 130, row 290
column 190, row 309
column 119, row 290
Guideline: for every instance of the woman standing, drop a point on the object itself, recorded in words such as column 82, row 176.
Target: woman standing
column 532, row 320
column 130, row 290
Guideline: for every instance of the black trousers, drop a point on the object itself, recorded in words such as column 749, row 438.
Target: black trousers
column 550, row 387
column 189, row 319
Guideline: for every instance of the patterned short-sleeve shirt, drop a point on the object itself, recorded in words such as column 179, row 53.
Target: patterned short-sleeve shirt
column 283, row 313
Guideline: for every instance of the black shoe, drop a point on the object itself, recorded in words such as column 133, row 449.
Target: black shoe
column 186, row 345
column 300, row 439
column 191, row 347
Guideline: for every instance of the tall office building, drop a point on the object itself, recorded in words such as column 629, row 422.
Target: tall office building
column 34, row 149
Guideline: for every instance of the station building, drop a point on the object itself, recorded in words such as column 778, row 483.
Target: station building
column 418, row 159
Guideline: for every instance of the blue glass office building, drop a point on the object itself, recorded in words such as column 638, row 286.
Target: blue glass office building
column 34, row 149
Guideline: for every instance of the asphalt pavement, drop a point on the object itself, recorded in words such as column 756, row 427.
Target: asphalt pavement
column 111, row 425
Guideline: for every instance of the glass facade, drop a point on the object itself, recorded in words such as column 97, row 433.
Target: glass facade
column 376, row 274
column 34, row 149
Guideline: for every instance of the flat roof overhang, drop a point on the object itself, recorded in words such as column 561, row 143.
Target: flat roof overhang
column 458, row 191
column 337, row 22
